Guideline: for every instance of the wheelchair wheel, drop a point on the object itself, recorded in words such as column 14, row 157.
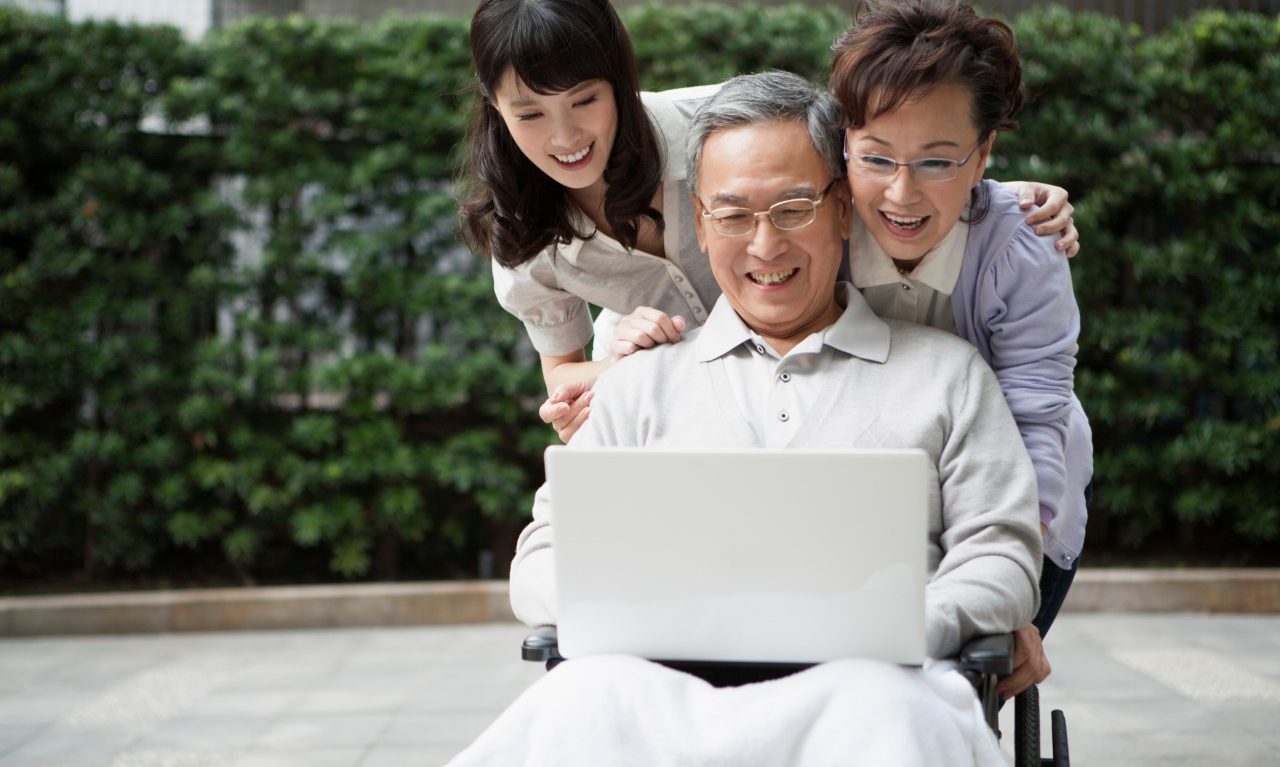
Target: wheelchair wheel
column 1058, row 731
column 1026, row 728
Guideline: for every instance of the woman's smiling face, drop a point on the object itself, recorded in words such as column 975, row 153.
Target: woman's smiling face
column 566, row 135
column 909, row 217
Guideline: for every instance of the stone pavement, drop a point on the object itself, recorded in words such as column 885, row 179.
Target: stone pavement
column 1168, row 689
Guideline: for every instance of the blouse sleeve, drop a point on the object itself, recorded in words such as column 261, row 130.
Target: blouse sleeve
column 1032, row 321
column 557, row 321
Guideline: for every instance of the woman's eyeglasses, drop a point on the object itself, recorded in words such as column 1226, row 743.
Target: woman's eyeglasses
column 926, row 169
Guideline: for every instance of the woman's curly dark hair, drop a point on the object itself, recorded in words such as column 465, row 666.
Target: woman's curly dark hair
column 510, row 210
column 898, row 50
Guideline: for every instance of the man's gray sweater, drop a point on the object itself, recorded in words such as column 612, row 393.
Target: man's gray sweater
column 927, row 390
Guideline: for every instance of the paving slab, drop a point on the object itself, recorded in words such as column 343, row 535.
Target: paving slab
column 1163, row 689
column 1172, row 689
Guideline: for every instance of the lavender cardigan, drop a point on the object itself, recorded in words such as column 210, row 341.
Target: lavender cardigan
column 1014, row 302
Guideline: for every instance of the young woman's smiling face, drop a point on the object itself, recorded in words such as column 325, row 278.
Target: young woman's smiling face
column 908, row 216
column 566, row 135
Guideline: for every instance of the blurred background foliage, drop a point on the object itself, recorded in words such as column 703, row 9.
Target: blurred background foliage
column 239, row 341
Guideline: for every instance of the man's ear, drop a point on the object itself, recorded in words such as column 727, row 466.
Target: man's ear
column 844, row 202
column 698, row 219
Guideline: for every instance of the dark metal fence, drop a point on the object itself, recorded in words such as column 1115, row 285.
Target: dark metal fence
column 1150, row 14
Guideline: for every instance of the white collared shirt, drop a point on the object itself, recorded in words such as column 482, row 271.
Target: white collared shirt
column 924, row 295
column 775, row 392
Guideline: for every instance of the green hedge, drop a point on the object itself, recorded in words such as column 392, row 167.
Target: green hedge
column 343, row 394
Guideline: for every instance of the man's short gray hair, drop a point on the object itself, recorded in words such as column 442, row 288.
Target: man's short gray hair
column 767, row 97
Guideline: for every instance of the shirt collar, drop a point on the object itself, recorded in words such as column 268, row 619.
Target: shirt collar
column 940, row 269
column 580, row 222
column 858, row 331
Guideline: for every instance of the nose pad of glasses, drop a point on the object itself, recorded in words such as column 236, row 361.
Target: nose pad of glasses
column 767, row 239
column 902, row 180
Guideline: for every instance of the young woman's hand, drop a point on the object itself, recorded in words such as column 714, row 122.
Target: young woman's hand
column 1054, row 213
column 644, row 328
column 567, row 408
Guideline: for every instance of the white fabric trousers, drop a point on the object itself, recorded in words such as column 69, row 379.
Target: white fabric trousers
column 622, row 711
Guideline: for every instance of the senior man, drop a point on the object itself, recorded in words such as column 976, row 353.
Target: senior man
column 786, row 360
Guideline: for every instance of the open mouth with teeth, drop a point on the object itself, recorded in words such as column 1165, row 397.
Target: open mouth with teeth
column 577, row 159
column 903, row 225
column 771, row 279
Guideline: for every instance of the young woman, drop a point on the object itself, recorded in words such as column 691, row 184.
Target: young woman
column 922, row 89
column 575, row 187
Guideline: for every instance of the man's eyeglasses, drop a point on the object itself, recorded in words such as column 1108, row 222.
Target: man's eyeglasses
column 926, row 169
column 786, row 215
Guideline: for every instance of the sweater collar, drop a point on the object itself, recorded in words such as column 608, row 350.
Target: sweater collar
column 858, row 332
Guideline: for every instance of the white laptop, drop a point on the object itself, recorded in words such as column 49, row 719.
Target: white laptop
column 781, row 556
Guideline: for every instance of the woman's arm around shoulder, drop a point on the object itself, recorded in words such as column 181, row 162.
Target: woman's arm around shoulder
column 1031, row 325
column 1053, row 212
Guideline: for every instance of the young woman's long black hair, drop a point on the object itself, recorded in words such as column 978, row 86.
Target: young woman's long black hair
column 510, row 210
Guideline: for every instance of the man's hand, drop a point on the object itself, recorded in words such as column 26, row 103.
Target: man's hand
column 1030, row 665
column 1054, row 213
column 644, row 328
column 567, row 408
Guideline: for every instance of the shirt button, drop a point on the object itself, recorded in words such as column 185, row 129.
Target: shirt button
column 688, row 295
column 785, row 377
column 759, row 349
column 679, row 278
column 905, row 286
column 782, row 416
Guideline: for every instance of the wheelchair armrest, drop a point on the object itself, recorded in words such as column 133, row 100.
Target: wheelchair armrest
column 542, row 646
column 988, row 655
column 983, row 655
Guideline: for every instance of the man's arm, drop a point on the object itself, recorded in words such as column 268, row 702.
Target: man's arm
column 533, row 592
column 532, row 583
column 987, row 581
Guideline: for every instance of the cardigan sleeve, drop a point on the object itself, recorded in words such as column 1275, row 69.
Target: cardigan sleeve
column 1032, row 324
column 987, row 580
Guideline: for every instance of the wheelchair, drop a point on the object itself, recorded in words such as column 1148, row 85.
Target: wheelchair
column 982, row 661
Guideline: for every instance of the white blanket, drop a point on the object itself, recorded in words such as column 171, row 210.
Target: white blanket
column 621, row 711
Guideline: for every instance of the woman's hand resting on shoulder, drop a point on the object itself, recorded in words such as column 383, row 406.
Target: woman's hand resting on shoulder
column 644, row 328
column 569, row 405
column 1053, row 214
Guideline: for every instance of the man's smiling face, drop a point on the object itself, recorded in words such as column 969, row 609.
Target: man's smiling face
column 780, row 282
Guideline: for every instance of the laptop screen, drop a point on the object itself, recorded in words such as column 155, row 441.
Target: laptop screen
column 796, row 556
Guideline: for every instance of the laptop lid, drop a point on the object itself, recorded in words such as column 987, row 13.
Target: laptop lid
column 784, row 556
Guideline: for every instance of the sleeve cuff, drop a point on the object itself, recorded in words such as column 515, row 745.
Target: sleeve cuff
column 558, row 340
column 533, row 592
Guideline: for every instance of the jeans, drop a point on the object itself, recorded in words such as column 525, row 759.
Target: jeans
column 1055, row 583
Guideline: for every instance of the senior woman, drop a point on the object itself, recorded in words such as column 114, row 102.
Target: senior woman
column 923, row 86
